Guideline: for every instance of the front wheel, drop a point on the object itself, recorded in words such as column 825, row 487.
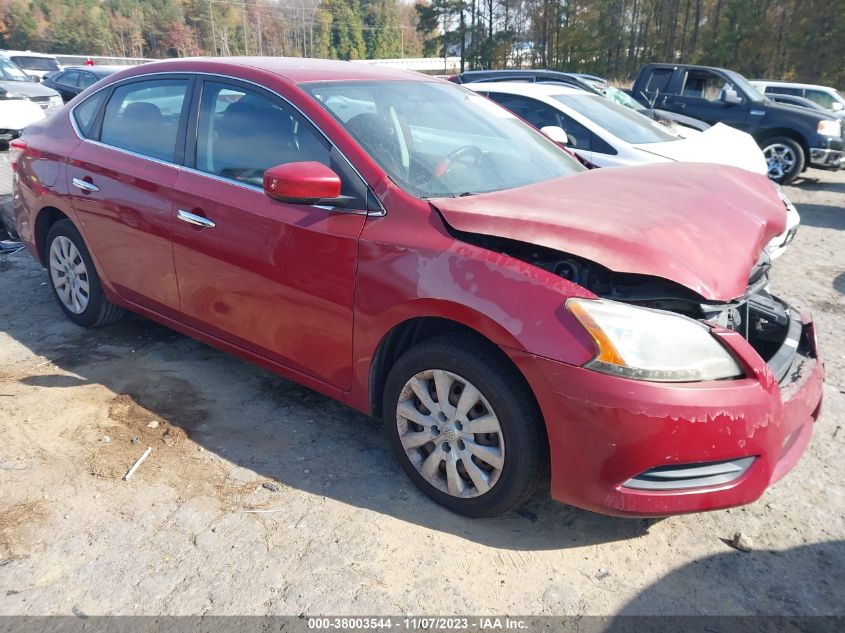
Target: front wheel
column 463, row 426
column 784, row 157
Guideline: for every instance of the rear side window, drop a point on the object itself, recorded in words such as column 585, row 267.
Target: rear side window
column 86, row 112
column 143, row 117
column 659, row 80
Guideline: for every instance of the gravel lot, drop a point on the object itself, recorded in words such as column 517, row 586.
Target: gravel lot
column 343, row 531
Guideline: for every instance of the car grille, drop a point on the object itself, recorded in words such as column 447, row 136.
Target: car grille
column 683, row 476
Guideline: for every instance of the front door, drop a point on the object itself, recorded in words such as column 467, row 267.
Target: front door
column 276, row 279
column 121, row 185
column 700, row 98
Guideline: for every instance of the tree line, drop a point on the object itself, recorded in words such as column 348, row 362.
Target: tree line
column 790, row 39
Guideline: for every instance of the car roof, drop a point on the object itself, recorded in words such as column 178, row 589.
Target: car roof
column 97, row 70
column 527, row 89
column 9, row 53
column 789, row 84
column 295, row 69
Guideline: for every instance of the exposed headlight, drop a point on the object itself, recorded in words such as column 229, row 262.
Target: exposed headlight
column 56, row 101
column 830, row 128
column 648, row 344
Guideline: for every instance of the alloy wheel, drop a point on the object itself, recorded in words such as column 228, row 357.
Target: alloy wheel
column 780, row 159
column 69, row 275
column 450, row 433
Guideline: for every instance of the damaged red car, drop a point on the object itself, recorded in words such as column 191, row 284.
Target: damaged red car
column 417, row 252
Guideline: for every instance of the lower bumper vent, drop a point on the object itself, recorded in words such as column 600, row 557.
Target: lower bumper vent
column 682, row 476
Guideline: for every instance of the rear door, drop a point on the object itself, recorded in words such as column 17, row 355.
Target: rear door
column 273, row 278
column 700, row 97
column 121, row 183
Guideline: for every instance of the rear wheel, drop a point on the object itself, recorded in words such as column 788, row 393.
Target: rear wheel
column 785, row 159
column 74, row 279
column 463, row 426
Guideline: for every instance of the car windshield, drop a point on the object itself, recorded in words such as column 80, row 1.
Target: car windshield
column 439, row 140
column 10, row 72
column 36, row 63
column 625, row 124
column 620, row 97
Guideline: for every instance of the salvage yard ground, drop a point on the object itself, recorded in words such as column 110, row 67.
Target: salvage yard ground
column 261, row 497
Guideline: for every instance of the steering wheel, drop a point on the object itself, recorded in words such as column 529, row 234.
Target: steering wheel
column 459, row 155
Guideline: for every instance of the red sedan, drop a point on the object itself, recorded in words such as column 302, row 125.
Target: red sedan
column 415, row 251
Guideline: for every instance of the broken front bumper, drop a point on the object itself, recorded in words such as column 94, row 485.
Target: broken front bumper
column 627, row 447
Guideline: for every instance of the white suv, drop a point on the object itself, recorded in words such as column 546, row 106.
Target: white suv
column 34, row 64
column 828, row 98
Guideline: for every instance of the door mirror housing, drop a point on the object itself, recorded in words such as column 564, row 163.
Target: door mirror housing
column 836, row 106
column 731, row 97
column 306, row 182
column 34, row 78
column 558, row 135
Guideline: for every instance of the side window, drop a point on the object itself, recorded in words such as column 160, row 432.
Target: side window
column 86, row 80
column 241, row 133
column 781, row 90
column 658, row 81
column 583, row 137
column 69, row 78
column 701, row 84
column 822, row 98
column 535, row 112
column 143, row 117
column 86, row 112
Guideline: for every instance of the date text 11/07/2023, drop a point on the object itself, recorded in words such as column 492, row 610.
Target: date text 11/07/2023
column 417, row 623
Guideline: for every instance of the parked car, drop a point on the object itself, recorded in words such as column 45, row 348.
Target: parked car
column 37, row 65
column 74, row 79
column 681, row 124
column 15, row 116
column 828, row 98
column 18, row 86
column 419, row 253
column 792, row 138
column 805, row 103
column 606, row 134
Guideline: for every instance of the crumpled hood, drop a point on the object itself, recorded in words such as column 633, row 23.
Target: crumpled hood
column 702, row 226
column 720, row 144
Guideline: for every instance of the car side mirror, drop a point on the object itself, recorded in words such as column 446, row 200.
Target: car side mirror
column 836, row 106
column 558, row 135
column 306, row 182
column 34, row 78
column 730, row 97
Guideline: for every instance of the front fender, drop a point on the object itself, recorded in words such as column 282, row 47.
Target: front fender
column 511, row 303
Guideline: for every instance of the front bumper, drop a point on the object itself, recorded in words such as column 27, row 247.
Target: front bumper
column 826, row 158
column 605, row 432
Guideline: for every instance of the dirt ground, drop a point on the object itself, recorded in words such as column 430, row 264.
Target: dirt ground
column 339, row 529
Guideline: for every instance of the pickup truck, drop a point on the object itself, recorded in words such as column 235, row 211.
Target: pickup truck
column 792, row 138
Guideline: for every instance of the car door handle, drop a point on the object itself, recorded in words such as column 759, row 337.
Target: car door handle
column 193, row 218
column 84, row 185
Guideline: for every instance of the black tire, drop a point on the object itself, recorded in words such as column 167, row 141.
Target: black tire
column 7, row 220
column 789, row 175
column 525, row 452
column 99, row 311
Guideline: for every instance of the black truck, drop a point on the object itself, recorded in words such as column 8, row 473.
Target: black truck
column 792, row 138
